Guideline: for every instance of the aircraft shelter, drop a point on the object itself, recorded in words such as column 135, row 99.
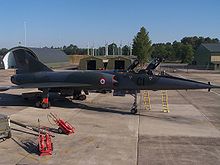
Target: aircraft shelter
column 105, row 62
column 51, row 57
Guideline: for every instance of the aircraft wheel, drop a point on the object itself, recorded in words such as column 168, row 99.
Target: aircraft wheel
column 75, row 97
column 103, row 91
column 82, row 97
column 60, row 130
column 37, row 104
column 134, row 110
column 44, row 106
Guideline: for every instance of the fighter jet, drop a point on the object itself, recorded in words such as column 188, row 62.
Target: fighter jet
column 31, row 73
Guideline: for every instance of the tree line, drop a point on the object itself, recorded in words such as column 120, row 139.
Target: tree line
column 113, row 49
column 183, row 51
column 179, row 51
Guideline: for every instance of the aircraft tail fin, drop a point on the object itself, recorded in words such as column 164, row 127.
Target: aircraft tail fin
column 24, row 61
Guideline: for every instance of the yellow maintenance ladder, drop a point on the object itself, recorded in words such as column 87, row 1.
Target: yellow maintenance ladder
column 165, row 107
column 146, row 97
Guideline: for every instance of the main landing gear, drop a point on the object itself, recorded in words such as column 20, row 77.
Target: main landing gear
column 134, row 106
column 77, row 95
column 44, row 101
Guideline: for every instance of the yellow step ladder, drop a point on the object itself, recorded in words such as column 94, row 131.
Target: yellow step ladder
column 146, row 97
column 165, row 107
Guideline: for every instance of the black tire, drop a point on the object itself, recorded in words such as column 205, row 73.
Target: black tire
column 103, row 91
column 82, row 97
column 49, row 104
column 60, row 131
column 75, row 97
column 38, row 104
column 44, row 106
column 133, row 110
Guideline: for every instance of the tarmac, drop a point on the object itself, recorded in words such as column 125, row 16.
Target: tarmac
column 106, row 132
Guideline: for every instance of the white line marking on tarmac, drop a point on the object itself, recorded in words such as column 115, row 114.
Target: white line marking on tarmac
column 216, row 93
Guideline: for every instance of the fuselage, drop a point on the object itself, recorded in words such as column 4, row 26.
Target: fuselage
column 142, row 81
column 88, row 79
column 93, row 80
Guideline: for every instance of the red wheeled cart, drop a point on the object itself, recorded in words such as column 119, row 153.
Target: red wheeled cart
column 45, row 144
column 64, row 127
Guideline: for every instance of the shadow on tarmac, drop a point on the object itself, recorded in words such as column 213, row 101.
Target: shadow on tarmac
column 13, row 100
column 167, row 118
column 17, row 100
column 18, row 130
column 28, row 145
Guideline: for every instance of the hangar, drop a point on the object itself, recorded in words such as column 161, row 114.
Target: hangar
column 118, row 62
column 109, row 62
column 51, row 57
column 208, row 56
column 91, row 63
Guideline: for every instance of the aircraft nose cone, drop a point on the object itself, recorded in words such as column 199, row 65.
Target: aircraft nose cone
column 175, row 83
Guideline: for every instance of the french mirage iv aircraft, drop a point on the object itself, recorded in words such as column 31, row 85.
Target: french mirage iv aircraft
column 31, row 73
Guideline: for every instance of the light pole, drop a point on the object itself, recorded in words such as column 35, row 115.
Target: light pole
column 25, row 34
column 88, row 49
column 106, row 49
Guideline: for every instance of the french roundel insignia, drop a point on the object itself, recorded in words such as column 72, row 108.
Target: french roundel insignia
column 102, row 81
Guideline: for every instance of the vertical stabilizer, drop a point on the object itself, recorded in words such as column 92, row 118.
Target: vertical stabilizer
column 24, row 61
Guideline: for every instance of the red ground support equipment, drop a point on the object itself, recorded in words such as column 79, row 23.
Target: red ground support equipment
column 45, row 144
column 64, row 127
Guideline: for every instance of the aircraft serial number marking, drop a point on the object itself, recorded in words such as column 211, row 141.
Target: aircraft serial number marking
column 141, row 81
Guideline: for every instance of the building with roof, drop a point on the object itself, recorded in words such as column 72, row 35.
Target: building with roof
column 118, row 62
column 75, row 59
column 50, row 56
column 53, row 58
column 208, row 56
column 110, row 62
column 91, row 63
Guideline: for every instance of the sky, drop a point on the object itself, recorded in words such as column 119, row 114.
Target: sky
column 96, row 22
